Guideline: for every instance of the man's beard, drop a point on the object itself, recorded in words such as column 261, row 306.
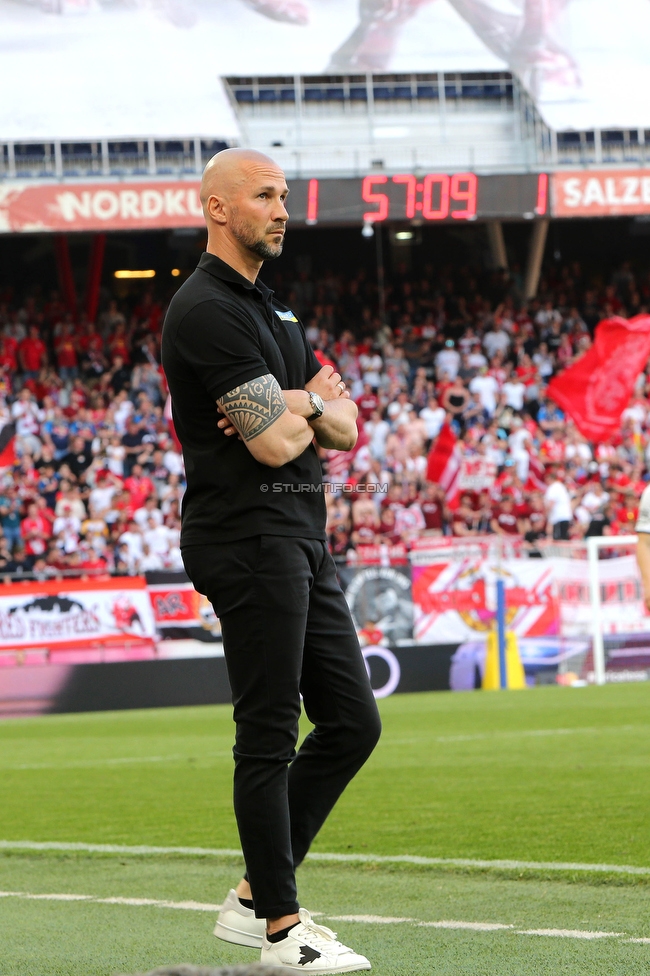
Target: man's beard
column 258, row 245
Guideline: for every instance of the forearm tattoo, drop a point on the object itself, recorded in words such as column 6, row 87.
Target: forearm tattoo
column 254, row 406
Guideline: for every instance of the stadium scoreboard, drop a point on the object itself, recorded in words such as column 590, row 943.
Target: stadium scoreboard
column 376, row 198
column 427, row 198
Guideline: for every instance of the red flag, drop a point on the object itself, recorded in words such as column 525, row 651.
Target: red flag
column 595, row 391
column 340, row 462
column 7, row 446
column 444, row 461
column 536, row 474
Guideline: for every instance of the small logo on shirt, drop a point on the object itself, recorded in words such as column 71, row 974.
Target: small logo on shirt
column 286, row 316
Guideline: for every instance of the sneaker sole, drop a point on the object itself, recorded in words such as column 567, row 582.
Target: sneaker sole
column 321, row 972
column 226, row 934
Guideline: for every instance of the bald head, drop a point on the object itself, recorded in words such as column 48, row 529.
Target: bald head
column 231, row 168
column 243, row 194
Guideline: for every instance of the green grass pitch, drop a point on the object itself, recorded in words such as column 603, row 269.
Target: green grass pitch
column 546, row 775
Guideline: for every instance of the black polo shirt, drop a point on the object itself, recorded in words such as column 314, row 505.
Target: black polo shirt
column 220, row 331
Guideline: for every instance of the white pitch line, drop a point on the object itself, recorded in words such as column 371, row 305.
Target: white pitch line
column 571, row 933
column 187, row 906
column 472, row 926
column 197, row 906
column 464, row 862
column 518, row 734
column 23, row 894
column 467, row 862
column 144, row 849
column 370, row 919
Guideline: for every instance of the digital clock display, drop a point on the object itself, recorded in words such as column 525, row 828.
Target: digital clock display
column 434, row 197
column 427, row 198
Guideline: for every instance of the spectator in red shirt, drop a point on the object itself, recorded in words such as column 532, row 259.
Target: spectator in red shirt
column 118, row 344
column 32, row 353
column 35, row 530
column 535, row 523
column 90, row 340
column 65, row 348
column 78, row 398
column 553, row 449
column 627, row 513
column 433, row 509
column 464, row 518
column 388, row 531
column 505, row 521
column 8, row 347
column 370, row 634
column 365, row 522
column 139, row 487
column 367, row 403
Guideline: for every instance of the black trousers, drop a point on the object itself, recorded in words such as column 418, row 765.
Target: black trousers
column 287, row 632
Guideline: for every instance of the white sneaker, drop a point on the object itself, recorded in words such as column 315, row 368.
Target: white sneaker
column 238, row 924
column 312, row 948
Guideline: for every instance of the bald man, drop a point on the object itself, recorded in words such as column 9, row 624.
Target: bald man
column 250, row 401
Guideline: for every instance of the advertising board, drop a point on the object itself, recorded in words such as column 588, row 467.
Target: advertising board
column 604, row 193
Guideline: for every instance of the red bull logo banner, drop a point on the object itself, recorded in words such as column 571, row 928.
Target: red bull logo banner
column 455, row 599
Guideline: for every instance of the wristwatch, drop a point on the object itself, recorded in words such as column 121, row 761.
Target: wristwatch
column 317, row 406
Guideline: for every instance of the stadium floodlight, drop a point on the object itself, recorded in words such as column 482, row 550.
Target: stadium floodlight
column 176, row 272
column 126, row 273
column 594, row 545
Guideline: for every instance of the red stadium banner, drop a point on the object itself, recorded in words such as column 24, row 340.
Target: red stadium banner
column 76, row 613
column 455, row 598
column 597, row 388
column 445, row 461
column 606, row 193
column 100, row 206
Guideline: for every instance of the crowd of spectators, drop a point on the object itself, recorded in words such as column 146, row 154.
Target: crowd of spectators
column 93, row 481
column 466, row 352
column 97, row 480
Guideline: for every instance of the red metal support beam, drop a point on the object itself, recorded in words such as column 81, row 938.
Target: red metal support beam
column 95, row 269
column 64, row 270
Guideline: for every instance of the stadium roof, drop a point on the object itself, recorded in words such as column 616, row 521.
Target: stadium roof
column 111, row 69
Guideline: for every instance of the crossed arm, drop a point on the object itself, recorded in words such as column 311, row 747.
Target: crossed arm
column 273, row 423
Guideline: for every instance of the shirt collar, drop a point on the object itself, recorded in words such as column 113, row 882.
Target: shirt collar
column 219, row 269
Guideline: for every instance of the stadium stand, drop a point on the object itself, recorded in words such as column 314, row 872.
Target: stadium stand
column 92, row 480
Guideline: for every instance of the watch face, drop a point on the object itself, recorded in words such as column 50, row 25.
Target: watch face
column 317, row 403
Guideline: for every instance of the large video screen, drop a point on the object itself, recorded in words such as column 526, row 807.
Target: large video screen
column 81, row 69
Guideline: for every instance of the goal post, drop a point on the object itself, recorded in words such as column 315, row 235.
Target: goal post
column 594, row 546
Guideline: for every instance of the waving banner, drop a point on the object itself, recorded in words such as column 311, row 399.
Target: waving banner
column 595, row 391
